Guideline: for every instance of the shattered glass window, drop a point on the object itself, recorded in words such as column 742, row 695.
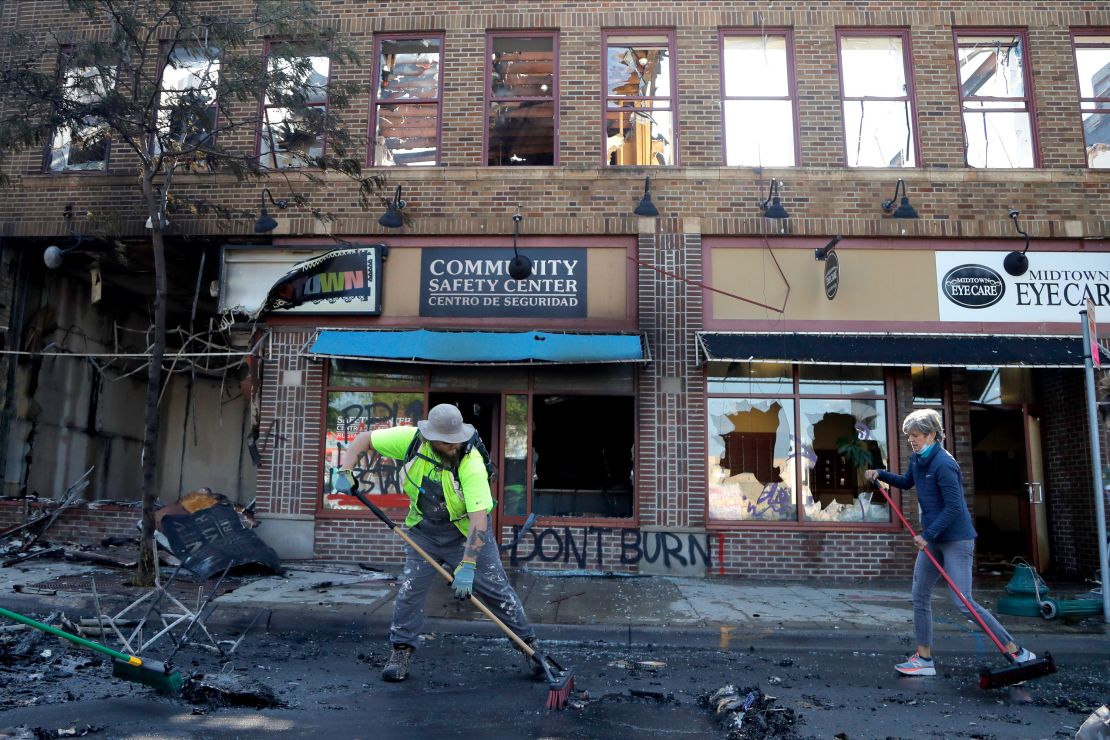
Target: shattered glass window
column 187, row 105
column 82, row 146
column 293, row 111
column 521, row 101
column 841, row 438
column 407, row 97
column 1092, row 62
column 994, row 93
column 758, row 100
column 639, row 121
column 878, row 108
column 752, row 459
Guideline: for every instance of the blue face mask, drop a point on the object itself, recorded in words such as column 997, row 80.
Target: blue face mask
column 924, row 454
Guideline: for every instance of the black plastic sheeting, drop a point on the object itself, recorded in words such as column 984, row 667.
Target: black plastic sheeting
column 896, row 349
column 212, row 539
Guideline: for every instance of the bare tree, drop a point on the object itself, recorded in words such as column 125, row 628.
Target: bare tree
column 170, row 86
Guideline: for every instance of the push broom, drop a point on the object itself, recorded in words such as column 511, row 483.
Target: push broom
column 989, row 678
column 560, row 682
column 152, row 673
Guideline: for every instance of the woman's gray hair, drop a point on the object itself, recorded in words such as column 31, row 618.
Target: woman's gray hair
column 924, row 421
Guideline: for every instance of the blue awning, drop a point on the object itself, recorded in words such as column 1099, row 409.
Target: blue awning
column 479, row 347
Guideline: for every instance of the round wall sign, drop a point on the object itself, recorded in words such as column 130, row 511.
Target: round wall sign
column 832, row 274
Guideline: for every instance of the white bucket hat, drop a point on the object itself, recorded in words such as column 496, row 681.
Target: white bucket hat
column 445, row 424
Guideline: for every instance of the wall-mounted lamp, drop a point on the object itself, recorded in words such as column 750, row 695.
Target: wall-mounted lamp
column 520, row 267
column 772, row 207
column 904, row 210
column 267, row 223
column 391, row 219
column 53, row 255
column 1016, row 263
column 823, row 253
column 646, row 207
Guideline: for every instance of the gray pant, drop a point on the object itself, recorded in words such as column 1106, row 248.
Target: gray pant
column 490, row 584
column 956, row 559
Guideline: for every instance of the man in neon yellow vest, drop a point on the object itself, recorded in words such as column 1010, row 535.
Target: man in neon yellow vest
column 449, row 517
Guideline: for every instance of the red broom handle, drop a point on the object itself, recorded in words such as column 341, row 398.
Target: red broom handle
column 955, row 590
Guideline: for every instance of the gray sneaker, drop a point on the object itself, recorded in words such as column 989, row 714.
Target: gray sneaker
column 397, row 668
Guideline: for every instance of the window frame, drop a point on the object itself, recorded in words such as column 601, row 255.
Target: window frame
column 65, row 63
column 490, row 98
column 800, row 523
column 1027, row 79
column 911, row 90
column 791, row 85
column 376, row 103
column 263, row 106
column 1077, row 35
column 672, row 48
column 214, row 108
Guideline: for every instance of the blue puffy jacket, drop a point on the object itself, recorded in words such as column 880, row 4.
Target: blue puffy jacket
column 940, row 491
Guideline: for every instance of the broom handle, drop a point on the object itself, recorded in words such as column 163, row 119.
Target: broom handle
column 130, row 659
column 443, row 572
column 974, row 612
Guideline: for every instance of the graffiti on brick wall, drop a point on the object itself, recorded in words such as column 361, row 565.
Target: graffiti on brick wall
column 583, row 546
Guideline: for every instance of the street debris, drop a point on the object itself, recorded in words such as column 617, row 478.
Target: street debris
column 229, row 690
column 749, row 713
column 1097, row 726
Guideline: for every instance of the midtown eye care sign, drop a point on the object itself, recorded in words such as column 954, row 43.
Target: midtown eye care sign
column 972, row 286
column 476, row 282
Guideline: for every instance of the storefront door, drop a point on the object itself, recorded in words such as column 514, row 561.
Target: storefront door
column 1038, row 512
column 483, row 410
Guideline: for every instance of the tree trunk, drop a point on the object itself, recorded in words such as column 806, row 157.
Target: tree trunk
column 144, row 576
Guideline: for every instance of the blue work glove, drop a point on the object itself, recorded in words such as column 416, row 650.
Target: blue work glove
column 344, row 481
column 464, row 580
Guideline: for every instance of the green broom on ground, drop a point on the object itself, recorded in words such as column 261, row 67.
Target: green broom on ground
column 152, row 673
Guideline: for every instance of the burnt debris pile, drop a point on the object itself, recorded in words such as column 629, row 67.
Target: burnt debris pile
column 749, row 713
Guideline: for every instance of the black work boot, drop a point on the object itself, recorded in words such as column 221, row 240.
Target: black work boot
column 532, row 663
column 397, row 668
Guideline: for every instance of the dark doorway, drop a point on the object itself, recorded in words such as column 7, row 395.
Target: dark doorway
column 483, row 411
column 1001, row 495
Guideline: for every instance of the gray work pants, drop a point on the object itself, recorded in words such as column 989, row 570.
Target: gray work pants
column 491, row 585
column 956, row 558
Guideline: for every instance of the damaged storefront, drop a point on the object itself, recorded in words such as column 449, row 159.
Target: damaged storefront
column 544, row 367
column 800, row 407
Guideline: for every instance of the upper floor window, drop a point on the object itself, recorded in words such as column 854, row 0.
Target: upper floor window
column 757, row 74
column 187, row 104
column 293, row 108
column 407, row 101
column 1092, row 64
column 81, row 144
column 996, row 99
column 521, row 100
column 877, row 97
column 640, row 124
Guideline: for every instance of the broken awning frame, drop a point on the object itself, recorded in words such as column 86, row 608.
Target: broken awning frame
column 427, row 346
column 940, row 350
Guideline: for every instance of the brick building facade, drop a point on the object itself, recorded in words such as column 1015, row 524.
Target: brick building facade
column 718, row 421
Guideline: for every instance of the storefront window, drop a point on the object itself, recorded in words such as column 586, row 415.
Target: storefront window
column 751, row 459
column 928, row 387
column 516, row 455
column 781, row 435
column 841, row 438
column 1000, row 385
column 353, row 374
column 353, row 412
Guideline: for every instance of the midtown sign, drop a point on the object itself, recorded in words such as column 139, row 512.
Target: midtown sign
column 972, row 286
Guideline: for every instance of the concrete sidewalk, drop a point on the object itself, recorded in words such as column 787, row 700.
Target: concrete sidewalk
column 578, row 605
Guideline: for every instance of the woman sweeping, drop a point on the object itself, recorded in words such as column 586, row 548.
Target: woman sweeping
column 946, row 530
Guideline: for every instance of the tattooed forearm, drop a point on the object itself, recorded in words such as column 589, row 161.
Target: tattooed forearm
column 478, row 538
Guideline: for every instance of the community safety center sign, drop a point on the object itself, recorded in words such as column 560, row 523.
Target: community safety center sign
column 476, row 282
column 973, row 286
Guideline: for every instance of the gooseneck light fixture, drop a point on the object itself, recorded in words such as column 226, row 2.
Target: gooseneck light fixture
column 1016, row 263
column 772, row 207
column 904, row 210
column 53, row 255
column 392, row 219
column 520, row 267
column 646, row 207
column 267, row 223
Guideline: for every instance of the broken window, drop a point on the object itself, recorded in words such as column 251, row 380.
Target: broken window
column 639, row 125
column 293, row 109
column 82, row 145
column 779, row 435
column 1092, row 63
column 759, row 99
column 878, row 105
column 407, row 100
column 187, row 106
column 521, row 100
column 996, row 100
